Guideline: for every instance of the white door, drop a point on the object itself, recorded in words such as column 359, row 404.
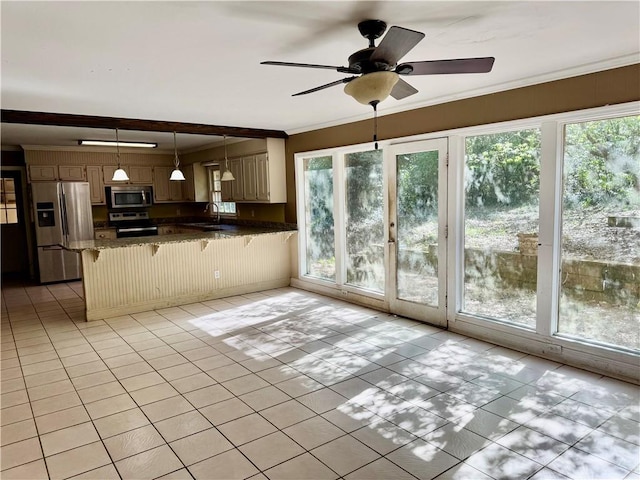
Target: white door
column 416, row 283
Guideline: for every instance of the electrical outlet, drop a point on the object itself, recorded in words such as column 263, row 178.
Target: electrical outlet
column 344, row 293
column 178, row 211
column 253, row 213
column 216, row 274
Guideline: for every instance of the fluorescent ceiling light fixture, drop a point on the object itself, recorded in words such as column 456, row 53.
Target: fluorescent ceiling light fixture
column 111, row 143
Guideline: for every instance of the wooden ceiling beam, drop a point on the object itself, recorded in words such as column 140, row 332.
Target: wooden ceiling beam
column 91, row 121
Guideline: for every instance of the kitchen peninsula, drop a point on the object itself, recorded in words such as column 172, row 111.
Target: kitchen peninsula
column 130, row 275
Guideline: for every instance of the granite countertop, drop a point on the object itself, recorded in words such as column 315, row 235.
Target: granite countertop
column 225, row 232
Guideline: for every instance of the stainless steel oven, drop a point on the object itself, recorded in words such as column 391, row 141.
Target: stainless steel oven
column 132, row 224
column 129, row 196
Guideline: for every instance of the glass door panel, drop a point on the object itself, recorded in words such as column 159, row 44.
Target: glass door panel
column 364, row 220
column 417, row 227
column 502, row 185
column 320, row 261
column 600, row 289
column 417, row 220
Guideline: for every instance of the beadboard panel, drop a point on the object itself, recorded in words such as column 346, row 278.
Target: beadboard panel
column 133, row 279
column 64, row 157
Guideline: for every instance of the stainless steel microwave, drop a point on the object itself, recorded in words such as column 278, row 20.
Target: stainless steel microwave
column 129, row 196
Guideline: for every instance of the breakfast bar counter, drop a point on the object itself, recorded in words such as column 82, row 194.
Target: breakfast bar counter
column 130, row 275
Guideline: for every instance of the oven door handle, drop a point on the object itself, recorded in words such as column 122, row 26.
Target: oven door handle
column 137, row 229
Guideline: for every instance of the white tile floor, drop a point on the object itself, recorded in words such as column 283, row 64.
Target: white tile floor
column 289, row 385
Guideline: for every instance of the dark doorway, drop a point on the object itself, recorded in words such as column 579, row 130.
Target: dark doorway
column 13, row 229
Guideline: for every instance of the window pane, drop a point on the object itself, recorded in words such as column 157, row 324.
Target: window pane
column 319, row 234
column 600, row 291
column 364, row 220
column 502, row 177
column 417, row 227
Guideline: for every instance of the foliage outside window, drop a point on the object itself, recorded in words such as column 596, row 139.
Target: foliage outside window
column 364, row 220
column 8, row 206
column 319, row 223
column 227, row 208
column 600, row 280
column 417, row 227
column 502, row 182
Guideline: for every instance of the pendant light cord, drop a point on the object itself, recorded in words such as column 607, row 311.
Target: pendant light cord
column 175, row 150
column 118, row 148
column 226, row 160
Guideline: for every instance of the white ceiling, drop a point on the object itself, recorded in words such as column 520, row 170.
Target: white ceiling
column 198, row 62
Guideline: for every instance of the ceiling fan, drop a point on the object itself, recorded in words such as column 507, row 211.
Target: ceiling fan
column 376, row 70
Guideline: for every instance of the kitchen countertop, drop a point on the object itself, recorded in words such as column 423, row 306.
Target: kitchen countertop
column 224, row 232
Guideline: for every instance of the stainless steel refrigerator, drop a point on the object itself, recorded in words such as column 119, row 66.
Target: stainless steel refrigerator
column 62, row 212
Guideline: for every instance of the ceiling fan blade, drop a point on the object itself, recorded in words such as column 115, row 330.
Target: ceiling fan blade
column 437, row 67
column 322, row 87
column 396, row 44
column 308, row 65
column 402, row 90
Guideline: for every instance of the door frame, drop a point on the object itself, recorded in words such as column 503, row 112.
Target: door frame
column 426, row 313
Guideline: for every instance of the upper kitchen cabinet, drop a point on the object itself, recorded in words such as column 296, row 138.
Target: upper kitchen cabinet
column 138, row 175
column 142, row 175
column 196, row 185
column 260, row 174
column 96, row 184
column 72, row 173
column 43, row 173
column 165, row 190
column 237, row 185
column 51, row 173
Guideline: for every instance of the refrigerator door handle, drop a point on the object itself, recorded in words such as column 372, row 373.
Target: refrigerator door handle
column 65, row 227
column 52, row 247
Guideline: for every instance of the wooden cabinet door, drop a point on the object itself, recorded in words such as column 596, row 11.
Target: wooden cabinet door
column 176, row 192
column 237, row 186
column 262, row 176
column 96, row 184
column 161, row 189
column 188, row 189
column 43, row 173
column 249, row 178
column 71, row 173
column 140, row 175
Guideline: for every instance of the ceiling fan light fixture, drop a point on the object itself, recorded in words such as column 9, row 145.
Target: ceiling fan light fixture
column 372, row 87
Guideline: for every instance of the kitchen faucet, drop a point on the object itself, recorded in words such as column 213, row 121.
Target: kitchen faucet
column 213, row 204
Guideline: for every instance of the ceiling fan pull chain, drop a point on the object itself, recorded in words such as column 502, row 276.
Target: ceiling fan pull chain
column 375, row 123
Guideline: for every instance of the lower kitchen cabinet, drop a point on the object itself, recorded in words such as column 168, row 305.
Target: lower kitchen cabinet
column 105, row 234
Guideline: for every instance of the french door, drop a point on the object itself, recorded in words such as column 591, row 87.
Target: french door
column 417, row 230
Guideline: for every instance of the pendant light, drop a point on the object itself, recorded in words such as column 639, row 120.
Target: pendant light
column 176, row 174
column 227, row 176
column 119, row 175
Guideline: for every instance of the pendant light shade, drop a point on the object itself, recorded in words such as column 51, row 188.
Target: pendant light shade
column 177, row 173
column 119, row 175
column 227, row 176
column 372, row 87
